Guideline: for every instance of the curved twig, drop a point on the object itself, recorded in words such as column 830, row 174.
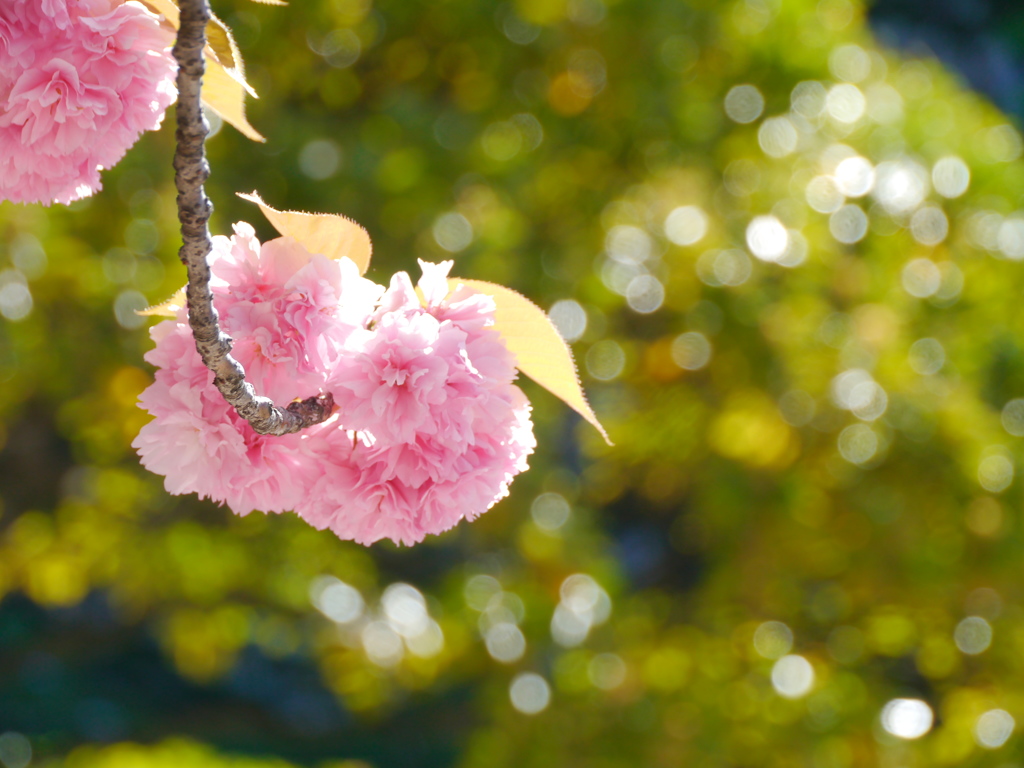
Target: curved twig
column 191, row 170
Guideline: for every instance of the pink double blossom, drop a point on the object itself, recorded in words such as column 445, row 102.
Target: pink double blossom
column 80, row 81
column 434, row 428
column 429, row 427
column 271, row 298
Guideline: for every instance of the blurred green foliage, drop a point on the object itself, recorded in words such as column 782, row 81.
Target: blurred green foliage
column 790, row 264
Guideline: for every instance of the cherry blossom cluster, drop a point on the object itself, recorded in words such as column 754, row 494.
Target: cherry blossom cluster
column 80, row 81
column 428, row 429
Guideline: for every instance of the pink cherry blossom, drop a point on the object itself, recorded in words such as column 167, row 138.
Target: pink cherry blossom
column 200, row 445
column 80, row 81
column 282, row 306
column 290, row 312
column 370, row 491
column 437, row 428
column 429, row 429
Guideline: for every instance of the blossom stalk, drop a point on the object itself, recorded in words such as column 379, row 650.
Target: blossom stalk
column 194, row 207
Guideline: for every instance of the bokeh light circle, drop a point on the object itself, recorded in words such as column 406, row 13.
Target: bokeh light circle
column 845, row 103
column 823, row 194
column 855, row 176
column 927, row 356
column 995, row 473
column 453, row 232
column 605, row 360
column 645, row 294
column 994, row 728
column 973, row 635
column 767, row 238
column 530, row 693
column 744, row 103
column 691, row 351
column 858, row 443
column 951, row 176
column 849, row 224
column 792, row 676
column 907, row 718
column 686, row 225
column 921, row 278
column 570, row 318
column 778, row 137
column 773, row 639
column 929, row 225
column 1013, row 417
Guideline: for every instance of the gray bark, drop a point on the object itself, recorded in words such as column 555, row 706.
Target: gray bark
column 190, row 172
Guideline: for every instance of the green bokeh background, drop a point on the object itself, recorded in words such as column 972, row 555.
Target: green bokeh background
column 757, row 518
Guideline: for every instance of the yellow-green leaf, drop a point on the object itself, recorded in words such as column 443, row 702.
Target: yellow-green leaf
column 330, row 234
column 541, row 353
column 224, row 84
column 222, row 44
column 167, row 308
column 221, row 49
column 225, row 95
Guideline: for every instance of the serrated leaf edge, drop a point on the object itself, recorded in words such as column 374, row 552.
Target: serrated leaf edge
column 586, row 411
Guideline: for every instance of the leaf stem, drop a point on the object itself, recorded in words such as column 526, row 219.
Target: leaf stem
column 191, row 170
